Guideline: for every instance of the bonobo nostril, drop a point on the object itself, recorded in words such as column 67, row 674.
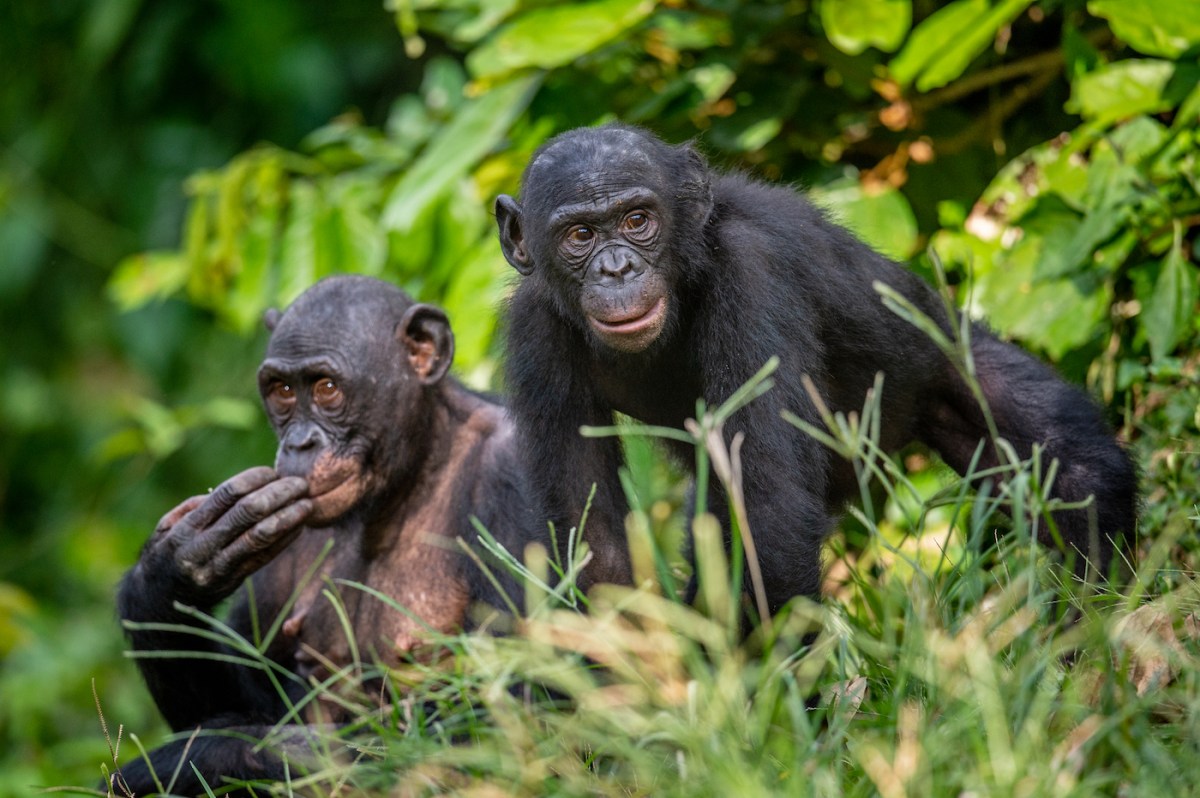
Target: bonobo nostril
column 615, row 264
column 298, row 440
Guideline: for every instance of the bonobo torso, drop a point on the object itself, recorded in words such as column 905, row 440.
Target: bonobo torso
column 413, row 559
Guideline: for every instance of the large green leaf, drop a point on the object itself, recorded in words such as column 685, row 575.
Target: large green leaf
column 1169, row 311
column 471, row 134
column 1122, row 89
column 1056, row 316
column 882, row 218
column 854, row 25
column 555, row 35
column 1154, row 27
column 943, row 45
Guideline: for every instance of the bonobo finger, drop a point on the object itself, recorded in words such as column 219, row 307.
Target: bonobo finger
column 228, row 493
column 172, row 518
column 258, row 546
column 253, row 508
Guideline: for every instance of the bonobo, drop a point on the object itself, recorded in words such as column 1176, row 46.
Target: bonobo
column 651, row 280
column 381, row 453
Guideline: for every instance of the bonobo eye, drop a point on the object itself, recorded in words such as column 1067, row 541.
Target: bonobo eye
column 636, row 221
column 280, row 397
column 580, row 235
column 638, row 225
column 327, row 394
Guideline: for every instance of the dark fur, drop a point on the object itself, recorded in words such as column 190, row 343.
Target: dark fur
column 752, row 271
column 428, row 455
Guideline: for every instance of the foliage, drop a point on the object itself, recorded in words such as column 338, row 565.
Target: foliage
column 1047, row 151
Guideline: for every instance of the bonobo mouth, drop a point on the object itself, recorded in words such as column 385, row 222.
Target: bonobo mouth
column 335, row 485
column 631, row 325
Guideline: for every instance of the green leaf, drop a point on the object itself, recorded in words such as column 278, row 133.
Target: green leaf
column 854, row 25
column 944, row 44
column 1056, row 316
column 551, row 36
column 1122, row 89
column 147, row 276
column 1072, row 243
column 1169, row 312
column 476, row 289
column 884, row 219
column 297, row 246
column 1154, row 27
column 473, row 132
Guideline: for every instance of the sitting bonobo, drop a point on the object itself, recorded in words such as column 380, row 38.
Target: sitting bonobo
column 383, row 461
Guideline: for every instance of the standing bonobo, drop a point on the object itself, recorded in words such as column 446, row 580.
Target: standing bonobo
column 379, row 452
column 651, row 280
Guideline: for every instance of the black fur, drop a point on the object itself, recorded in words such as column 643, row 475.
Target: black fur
column 382, row 454
column 749, row 271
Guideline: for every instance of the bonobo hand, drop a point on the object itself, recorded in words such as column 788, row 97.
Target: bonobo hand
column 203, row 549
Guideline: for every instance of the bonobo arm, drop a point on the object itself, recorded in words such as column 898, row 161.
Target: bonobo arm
column 236, row 752
column 198, row 555
column 785, row 473
column 562, row 464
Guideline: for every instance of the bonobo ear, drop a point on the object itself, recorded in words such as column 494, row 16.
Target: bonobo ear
column 696, row 186
column 512, row 238
column 425, row 334
column 271, row 318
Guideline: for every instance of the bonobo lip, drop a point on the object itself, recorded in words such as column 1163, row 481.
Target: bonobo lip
column 631, row 324
column 333, row 502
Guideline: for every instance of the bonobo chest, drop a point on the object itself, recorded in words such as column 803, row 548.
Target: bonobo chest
column 338, row 620
column 660, row 391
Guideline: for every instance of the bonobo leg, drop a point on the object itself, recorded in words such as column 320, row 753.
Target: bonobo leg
column 235, row 751
column 1030, row 405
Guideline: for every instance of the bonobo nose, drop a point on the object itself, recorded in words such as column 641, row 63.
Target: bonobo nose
column 302, row 438
column 616, row 264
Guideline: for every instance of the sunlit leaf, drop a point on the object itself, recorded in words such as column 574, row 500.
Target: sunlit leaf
column 470, row 135
column 1169, row 312
column 854, row 25
column 297, row 247
column 555, row 35
column 883, row 218
column 1123, row 89
column 1154, row 27
column 147, row 276
column 471, row 300
column 943, row 45
column 251, row 289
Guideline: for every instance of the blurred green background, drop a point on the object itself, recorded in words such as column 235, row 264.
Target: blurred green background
column 168, row 170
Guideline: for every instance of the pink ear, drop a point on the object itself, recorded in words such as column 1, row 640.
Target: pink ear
column 425, row 333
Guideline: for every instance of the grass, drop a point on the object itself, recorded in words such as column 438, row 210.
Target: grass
column 944, row 662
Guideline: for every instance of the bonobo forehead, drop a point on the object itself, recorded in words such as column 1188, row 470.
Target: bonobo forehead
column 590, row 165
column 348, row 315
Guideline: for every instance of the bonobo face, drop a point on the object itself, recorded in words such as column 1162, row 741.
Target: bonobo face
column 611, row 244
column 596, row 222
column 343, row 383
column 307, row 398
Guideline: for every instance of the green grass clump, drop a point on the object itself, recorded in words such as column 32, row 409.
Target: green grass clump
column 947, row 660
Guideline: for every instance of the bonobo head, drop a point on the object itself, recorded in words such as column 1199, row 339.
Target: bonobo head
column 606, row 218
column 345, row 382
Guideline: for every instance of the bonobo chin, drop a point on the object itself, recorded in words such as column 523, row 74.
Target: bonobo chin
column 649, row 280
column 383, row 461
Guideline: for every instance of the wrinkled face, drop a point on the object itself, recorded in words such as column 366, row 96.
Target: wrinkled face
column 611, row 245
column 344, row 384
column 313, row 404
column 596, row 222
